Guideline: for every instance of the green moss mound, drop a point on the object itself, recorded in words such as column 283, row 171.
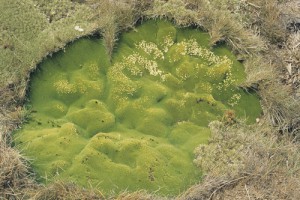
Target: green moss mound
column 132, row 124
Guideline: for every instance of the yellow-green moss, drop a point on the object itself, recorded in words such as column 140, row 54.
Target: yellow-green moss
column 132, row 124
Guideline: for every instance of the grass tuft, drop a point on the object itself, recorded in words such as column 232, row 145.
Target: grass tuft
column 247, row 161
column 61, row 191
column 15, row 178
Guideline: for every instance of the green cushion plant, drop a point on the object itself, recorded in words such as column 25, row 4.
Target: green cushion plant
column 132, row 123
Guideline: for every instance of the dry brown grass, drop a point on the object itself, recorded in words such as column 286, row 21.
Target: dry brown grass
column 139, row 195
column 258, row 70
column 280, row 106
column 62, row 191
column 114, row 16
column 266, row 167
column 15, row 178
column 174, row 10
column 291, row 66
column 220, row 24
column 268, row 20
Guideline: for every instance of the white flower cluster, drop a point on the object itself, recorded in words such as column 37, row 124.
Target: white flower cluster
column 228, row 81
column 130, row 63
column 182, row 103
column 234, row 100
column 205, row 87
column 214, row 66
column 168, row 42
column 124, row 83
column 150, row 65
column 221, row 68
column 151, row 49
column 194, row 49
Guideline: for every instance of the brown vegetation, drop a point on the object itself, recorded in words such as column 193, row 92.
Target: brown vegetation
column 15, row 179
column 61, row 191
column 247, row 162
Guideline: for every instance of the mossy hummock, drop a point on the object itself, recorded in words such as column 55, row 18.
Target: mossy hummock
column 135, row 123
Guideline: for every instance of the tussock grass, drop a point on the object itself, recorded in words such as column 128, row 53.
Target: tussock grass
column 15, row 179
column 174, row 10
column 291, row 61
column 259, row 70
column 221, row 25
column 61, row 191
column 139, row 195
column 281, row 107
column 118, row 14
column 266, row 18
column 259, row 164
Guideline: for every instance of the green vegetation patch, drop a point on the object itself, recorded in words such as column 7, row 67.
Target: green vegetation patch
column 32, row 29
column 135, row 123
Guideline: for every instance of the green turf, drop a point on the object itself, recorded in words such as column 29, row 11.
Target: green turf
column 132, row 124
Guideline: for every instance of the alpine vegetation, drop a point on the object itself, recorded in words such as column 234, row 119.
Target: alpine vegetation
column 132, row 121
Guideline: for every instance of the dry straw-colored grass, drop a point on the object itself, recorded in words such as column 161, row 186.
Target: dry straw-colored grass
column 14, row 174
column 260, row 164
column 265, row 157
column 139, row 195
column 61, row 191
